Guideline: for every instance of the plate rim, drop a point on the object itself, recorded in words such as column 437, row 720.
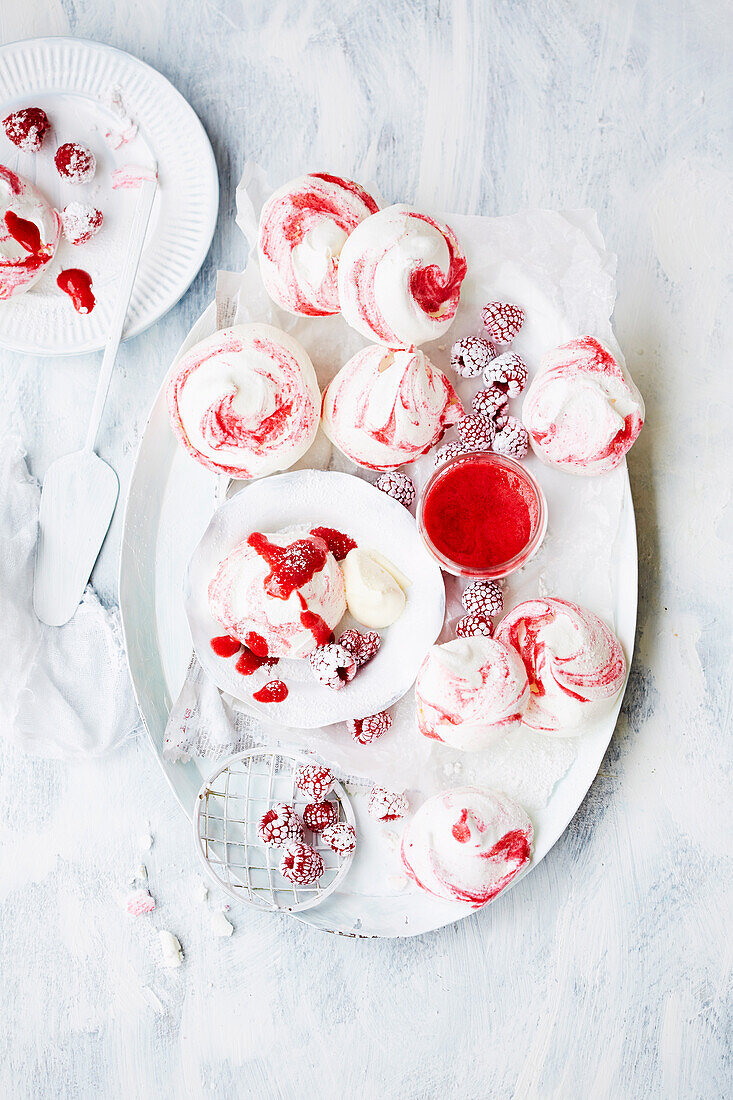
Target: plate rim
column 210, row 168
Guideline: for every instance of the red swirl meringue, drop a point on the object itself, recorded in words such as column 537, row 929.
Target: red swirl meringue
column 467, row 845
column 303, row 227
column 400, row 276
column 574, row 662
column 385, row 408
column 582, row 411
column 245, row 402
column 281, row 594
column 471, row 692
column 30, row 230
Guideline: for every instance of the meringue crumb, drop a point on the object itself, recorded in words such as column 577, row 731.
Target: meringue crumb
column 170, row 949
column 145, row 842
column 392, row 839
column 139, row 903
column 397, row 883
column 200, row 892
column 220, row 926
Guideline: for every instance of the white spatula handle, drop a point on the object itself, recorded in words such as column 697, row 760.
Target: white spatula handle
column 127, row 280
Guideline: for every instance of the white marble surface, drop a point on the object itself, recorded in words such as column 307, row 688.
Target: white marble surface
column 605, row 973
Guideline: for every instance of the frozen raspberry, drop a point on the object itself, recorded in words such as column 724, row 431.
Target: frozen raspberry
column 473, row 626
column 476, row 432
column 314, row 780
column 387, row 805
column 468, row 357
column 502, row 321
column 366, row 730
column 317, row 815
column 483, row 598
column 507, row 370
column 333, row 665
column 490, row 403
column 75, row 163
column 446, row 453
column 279, row 825
column 512, row 438
column 398, row 486
column 80, row 221
column 361, row 646
column 337, row 542
column 301, row 864
column 27, row 128
column 340, row 838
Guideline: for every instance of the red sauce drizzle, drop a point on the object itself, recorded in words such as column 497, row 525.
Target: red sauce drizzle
column 460, row 830
column 311, row 620
column 512, row 846
column 225, row 645
column 274, row 692
column 249, row 662
column 256, row 643
column 78, row 285
column 479, row 515
column 291, row 566
column 337, row 542
column 26, row 233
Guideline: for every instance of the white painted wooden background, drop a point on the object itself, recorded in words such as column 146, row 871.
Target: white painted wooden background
column 605, row 973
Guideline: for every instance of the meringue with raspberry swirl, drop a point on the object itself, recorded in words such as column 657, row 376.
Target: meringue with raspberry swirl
column 471, row 692
column 582, row 411
column 281, row 594
column 30, row 230
column 399, row 277
column 385, row 408
column 575, row 664
column 467, row 845
column 303, row 227
column 245, row 402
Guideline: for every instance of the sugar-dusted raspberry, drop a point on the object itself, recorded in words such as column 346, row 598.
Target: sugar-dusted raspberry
column 317, row 815
column 469, row 356
column 333, row 665
column 474, row 626
column 483, row 598
column 361, row 646
column 387, row 805
column 490, row 403
column 314, row 780
column 337, row 542
column 301, row 864
column 366, row 730
column 80, row 221
column 476, row 432
column 27, row 128
column 280, row 824
column 398, row 486
column 340, row 838
column 507, row 371
column 502, row 321
column 512, row 438
column 75, row 163
column 446, row 453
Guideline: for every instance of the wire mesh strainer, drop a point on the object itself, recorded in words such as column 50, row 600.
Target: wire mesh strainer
column 228, row 810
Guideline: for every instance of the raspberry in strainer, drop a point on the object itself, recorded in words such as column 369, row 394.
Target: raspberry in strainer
column 280, row 824
column 317, row 815
column 314, row 780
column 301, row 864
column 340, row 838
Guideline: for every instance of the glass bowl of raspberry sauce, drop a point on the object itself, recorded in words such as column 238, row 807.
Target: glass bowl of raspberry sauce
column 482, row 515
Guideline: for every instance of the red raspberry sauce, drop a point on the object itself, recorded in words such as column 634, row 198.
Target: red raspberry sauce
column 337, row 542
column 26, row 233
column 479, row 515
column 225, row 645
column 78, row 285
column 274, row 692
column 292, row 566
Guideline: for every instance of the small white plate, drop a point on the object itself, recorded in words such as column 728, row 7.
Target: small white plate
column 319, row 498
column 71, row 79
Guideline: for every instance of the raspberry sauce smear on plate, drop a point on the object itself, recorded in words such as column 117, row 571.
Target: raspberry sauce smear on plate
column 482, row 515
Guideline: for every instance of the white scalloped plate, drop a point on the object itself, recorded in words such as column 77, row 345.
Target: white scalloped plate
column 70, row 79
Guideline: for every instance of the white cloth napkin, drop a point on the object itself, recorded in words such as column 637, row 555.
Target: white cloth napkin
column 64, row 691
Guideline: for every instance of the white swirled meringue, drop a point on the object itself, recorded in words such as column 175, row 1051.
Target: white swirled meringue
column 281, row 594
column 245, row 402
column 303, row 227
column 574, row 662
column 582, row 411
column 467, row 845
column 385, row 408
column 471, row 692
column 30, row 229
column 399, row 278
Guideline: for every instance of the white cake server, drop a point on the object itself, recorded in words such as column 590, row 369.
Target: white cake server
column 80, row 490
